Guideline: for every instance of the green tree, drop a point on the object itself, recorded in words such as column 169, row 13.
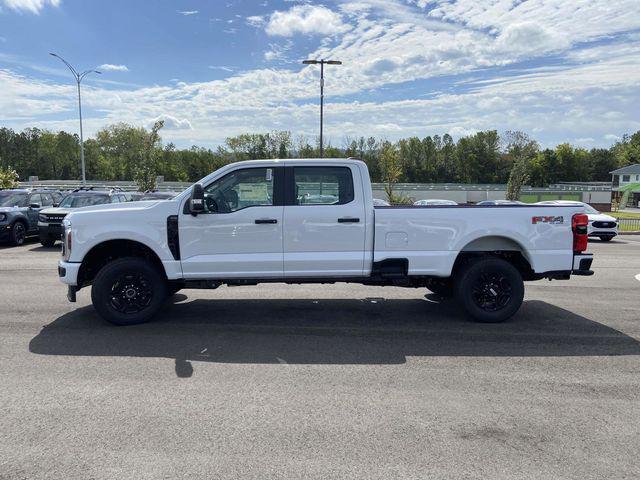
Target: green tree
column 517, row 179
column 391, row 168
column 8, row 177
column 145, row 172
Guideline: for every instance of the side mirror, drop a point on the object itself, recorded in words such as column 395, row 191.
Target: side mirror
column 196, row 202
column 34, row 206
column 56, row 204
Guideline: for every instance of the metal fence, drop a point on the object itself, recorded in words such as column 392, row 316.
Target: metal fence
column 629, row 224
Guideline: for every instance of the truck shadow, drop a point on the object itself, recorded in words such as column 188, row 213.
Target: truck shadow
column 368, row 331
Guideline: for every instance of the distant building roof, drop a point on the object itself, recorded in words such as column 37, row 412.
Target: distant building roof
column 628, row 169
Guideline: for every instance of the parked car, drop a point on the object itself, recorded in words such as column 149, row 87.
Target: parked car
column 605, row 227
column 488, row 203
column 157, row 195
column 378, row 202
column 245, row 224
column 19, row 209
column 435, row 202
column 50, row 219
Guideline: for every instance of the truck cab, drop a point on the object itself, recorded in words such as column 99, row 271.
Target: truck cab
column 313, row 221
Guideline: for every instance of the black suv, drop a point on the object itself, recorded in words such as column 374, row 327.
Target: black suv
column 19, row 209
column 50, row 219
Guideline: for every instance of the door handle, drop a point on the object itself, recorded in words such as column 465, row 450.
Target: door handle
column 348, row 220
column 260, row 221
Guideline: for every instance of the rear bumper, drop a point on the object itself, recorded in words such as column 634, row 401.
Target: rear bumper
column 582, row 264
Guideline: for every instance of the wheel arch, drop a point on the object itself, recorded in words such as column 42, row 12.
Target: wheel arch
column 497, row 246
column 109, row 250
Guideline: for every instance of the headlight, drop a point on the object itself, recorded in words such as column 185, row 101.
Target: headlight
column 67, row 241
column 42, row 218
column 3, row 217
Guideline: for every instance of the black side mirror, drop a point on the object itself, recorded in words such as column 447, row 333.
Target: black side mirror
column 35, row 206
column 56, row 204
column 196, row 202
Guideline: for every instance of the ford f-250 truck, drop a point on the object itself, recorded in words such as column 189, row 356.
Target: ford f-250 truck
column 313, row 221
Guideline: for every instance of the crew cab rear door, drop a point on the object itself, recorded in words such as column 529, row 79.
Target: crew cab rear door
column 324, row 221
column 240, row 233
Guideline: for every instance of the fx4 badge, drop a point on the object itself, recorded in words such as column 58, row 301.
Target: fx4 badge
column 547, row 219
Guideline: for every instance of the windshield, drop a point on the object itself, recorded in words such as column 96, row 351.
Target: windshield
column 14, row 200
column 590, row 209
column 77, row 201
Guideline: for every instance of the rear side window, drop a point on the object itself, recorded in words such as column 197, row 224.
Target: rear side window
column 36, row 198
column 115, row 199
column 323, row 185
column 46, row 200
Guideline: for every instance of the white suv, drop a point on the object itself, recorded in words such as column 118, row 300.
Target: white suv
column 600, row 225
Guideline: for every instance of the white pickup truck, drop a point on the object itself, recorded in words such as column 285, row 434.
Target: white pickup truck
column 313, row 221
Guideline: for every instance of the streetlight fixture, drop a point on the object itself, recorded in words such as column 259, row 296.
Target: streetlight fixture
column 78, row 77
column 322, row 63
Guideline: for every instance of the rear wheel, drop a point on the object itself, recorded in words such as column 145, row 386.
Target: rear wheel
column 128, row 291
column 491, row 290
column 18, row 233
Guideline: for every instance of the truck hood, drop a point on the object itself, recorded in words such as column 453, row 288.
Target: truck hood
column 56, row 211
column 140, row 211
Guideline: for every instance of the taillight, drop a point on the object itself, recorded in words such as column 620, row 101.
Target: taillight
column 579, row 225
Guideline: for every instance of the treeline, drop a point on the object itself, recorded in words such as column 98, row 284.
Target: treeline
column 116, row 152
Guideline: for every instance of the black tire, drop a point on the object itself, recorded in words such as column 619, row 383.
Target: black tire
column 18, row 233
column 443, row 287
column 47, row 242
column 128, row 291
column 606, row 239
column 490, row 290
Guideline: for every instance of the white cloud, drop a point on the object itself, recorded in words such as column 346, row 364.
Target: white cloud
column 305, row 19
column 221, row 67
column 255, row 21
column 171, row 122
column 32, row 6
column 109, row 67
column 187, row 13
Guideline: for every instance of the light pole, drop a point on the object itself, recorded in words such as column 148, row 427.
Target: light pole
column 322, row 63
column 78, row 77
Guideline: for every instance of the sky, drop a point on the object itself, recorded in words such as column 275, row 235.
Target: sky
column 560, row 70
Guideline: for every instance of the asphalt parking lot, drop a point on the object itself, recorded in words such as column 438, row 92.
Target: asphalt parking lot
column 322, row 382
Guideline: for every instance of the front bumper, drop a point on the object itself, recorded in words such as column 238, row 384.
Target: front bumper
column 582, row 264
column 68, row 272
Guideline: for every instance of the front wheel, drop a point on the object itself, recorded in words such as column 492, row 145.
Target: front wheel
column 128, row 291
column 18, row 233
column 491, row 290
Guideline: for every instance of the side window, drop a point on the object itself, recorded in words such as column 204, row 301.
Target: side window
column 46, row 199
column 323, row 185
column 122, row 198
column 36, row 198
column 250, row 187
column 114, row 199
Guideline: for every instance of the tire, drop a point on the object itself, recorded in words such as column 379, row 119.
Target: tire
column 490, row 290
column 128, row 291
column 443, row 287
column 47, row 242
column 18, row 233
column 606, row 239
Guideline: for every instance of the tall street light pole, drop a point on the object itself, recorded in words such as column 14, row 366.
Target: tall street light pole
column 322, row 63
column 78, row 77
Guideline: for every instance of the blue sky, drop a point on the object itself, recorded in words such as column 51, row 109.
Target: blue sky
column 559, row 70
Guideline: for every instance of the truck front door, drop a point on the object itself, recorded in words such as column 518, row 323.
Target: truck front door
column 324, row 222
column 240, row 233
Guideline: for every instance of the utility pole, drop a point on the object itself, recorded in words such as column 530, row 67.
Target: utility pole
column 78, row 77
column 322, row 63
